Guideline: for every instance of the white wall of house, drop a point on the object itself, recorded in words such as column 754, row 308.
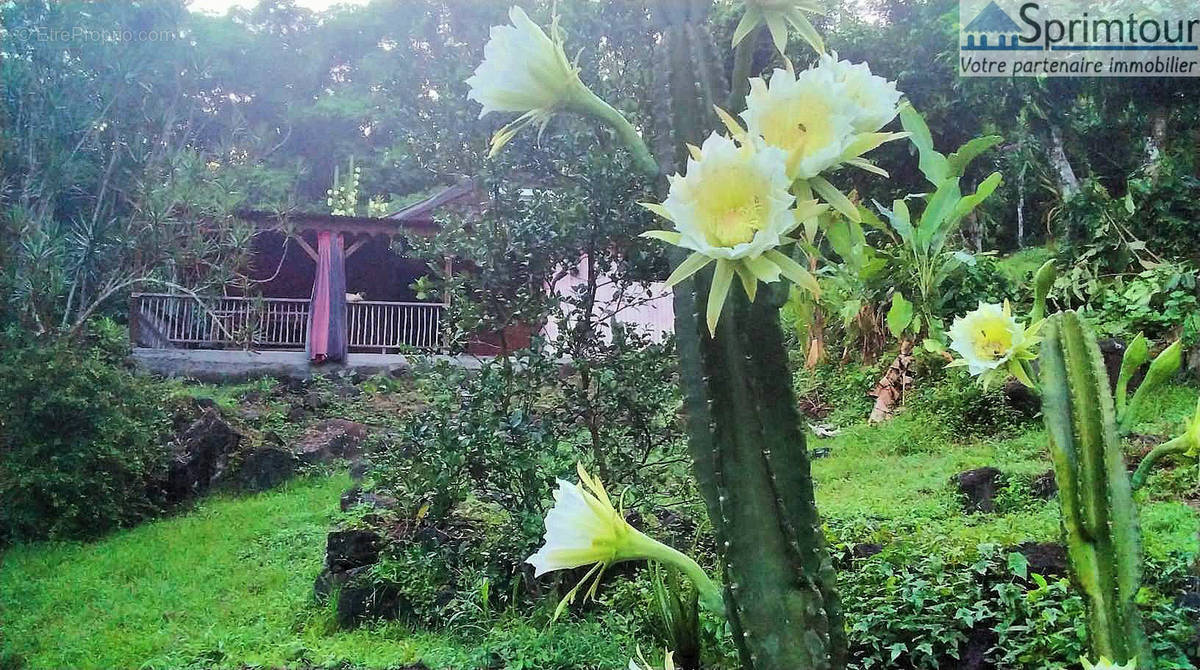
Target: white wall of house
column 650, row 309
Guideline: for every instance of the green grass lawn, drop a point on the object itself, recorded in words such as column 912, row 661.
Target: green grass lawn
column 891, row 483
column 231, row 579
column 229, row 583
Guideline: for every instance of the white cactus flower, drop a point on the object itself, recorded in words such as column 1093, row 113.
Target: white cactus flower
column 809, row 116
column 986, row 338
column 733, row 207
column 993, row 343
column 584, row 528
column 523, row 71
column 875, row 99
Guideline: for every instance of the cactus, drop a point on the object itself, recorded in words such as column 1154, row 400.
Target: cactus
column 1163, row 367
column 1099, row 518
column 1136, row 354
column 744, row 431
column 1043, row 281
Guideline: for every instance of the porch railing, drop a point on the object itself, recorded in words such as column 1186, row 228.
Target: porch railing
column 386, row 326
column 166, row 321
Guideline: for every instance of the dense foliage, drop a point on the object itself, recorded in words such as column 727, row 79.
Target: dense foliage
column 82, row 440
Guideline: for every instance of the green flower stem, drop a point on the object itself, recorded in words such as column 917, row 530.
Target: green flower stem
column 651, row 549
column 1027, row 366
column 588, row 103
column 1175, row 446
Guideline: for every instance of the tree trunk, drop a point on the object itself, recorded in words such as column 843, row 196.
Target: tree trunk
column 1155, row 140
column 1068, row 183
column 889, row 390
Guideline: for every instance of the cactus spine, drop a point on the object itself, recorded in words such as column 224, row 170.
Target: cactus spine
column 1099, row 518
column 744, row 432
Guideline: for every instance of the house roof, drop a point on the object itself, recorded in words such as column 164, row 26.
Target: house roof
column 417, row 217
column 423, row 210
column 992, row 20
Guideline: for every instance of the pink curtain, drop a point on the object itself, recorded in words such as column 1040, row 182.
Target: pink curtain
column 327, row 311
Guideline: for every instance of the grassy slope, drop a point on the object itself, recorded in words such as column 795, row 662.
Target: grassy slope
column 230, row 579
column 230, row 582
column 890, row 483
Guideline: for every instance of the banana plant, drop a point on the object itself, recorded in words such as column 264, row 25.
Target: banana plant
column 923, row 239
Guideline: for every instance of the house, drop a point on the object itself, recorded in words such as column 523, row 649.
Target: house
column 330, row 289
column 327, row 285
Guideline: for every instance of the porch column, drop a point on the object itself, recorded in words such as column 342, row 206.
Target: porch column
column 327, row 311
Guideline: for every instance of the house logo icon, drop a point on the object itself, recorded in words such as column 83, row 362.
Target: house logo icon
column 991, row 30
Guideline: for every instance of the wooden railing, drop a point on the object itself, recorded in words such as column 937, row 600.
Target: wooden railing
column 387, row 326
column 165, row 321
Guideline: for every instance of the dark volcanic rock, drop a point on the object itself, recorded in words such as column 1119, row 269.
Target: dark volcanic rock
column 979, row 488
column 1048, row 559
column 865, row 550
column 349, row 549
column 360, row 599
column 332, row 438
column 980, row 641
column 264, row 468
column 200, row 456
column 349, row 555
column 1022, row 398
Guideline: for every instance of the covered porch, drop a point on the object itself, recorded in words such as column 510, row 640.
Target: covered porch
column 320, row 282
column 178, row 321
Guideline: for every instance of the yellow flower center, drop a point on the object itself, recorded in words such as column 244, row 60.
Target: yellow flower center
column 735, row 226
column 732, row 208
column 993, row 340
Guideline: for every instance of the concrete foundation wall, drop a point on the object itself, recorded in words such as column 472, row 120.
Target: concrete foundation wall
column 230, row 366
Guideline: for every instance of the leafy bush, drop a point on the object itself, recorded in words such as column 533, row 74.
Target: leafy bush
column 81, row 440
column 473, row 470
column 919, row 610
column 1160, row 302
column 963, row 408
column 1167, row 206
column 980, row 279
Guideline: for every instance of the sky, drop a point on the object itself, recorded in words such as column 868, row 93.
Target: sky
column 222, row 6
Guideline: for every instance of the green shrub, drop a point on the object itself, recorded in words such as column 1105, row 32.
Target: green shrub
column 81, row 440
column 980, row 280
column 920, row 610
column 1159, row 302
column 475, row 470
column 963, row 408
column 841, row 390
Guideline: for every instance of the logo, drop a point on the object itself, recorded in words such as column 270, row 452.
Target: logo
column 1079, row 38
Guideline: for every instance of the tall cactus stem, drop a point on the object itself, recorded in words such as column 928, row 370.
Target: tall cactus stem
column 1099, row 517
column 745, row 436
